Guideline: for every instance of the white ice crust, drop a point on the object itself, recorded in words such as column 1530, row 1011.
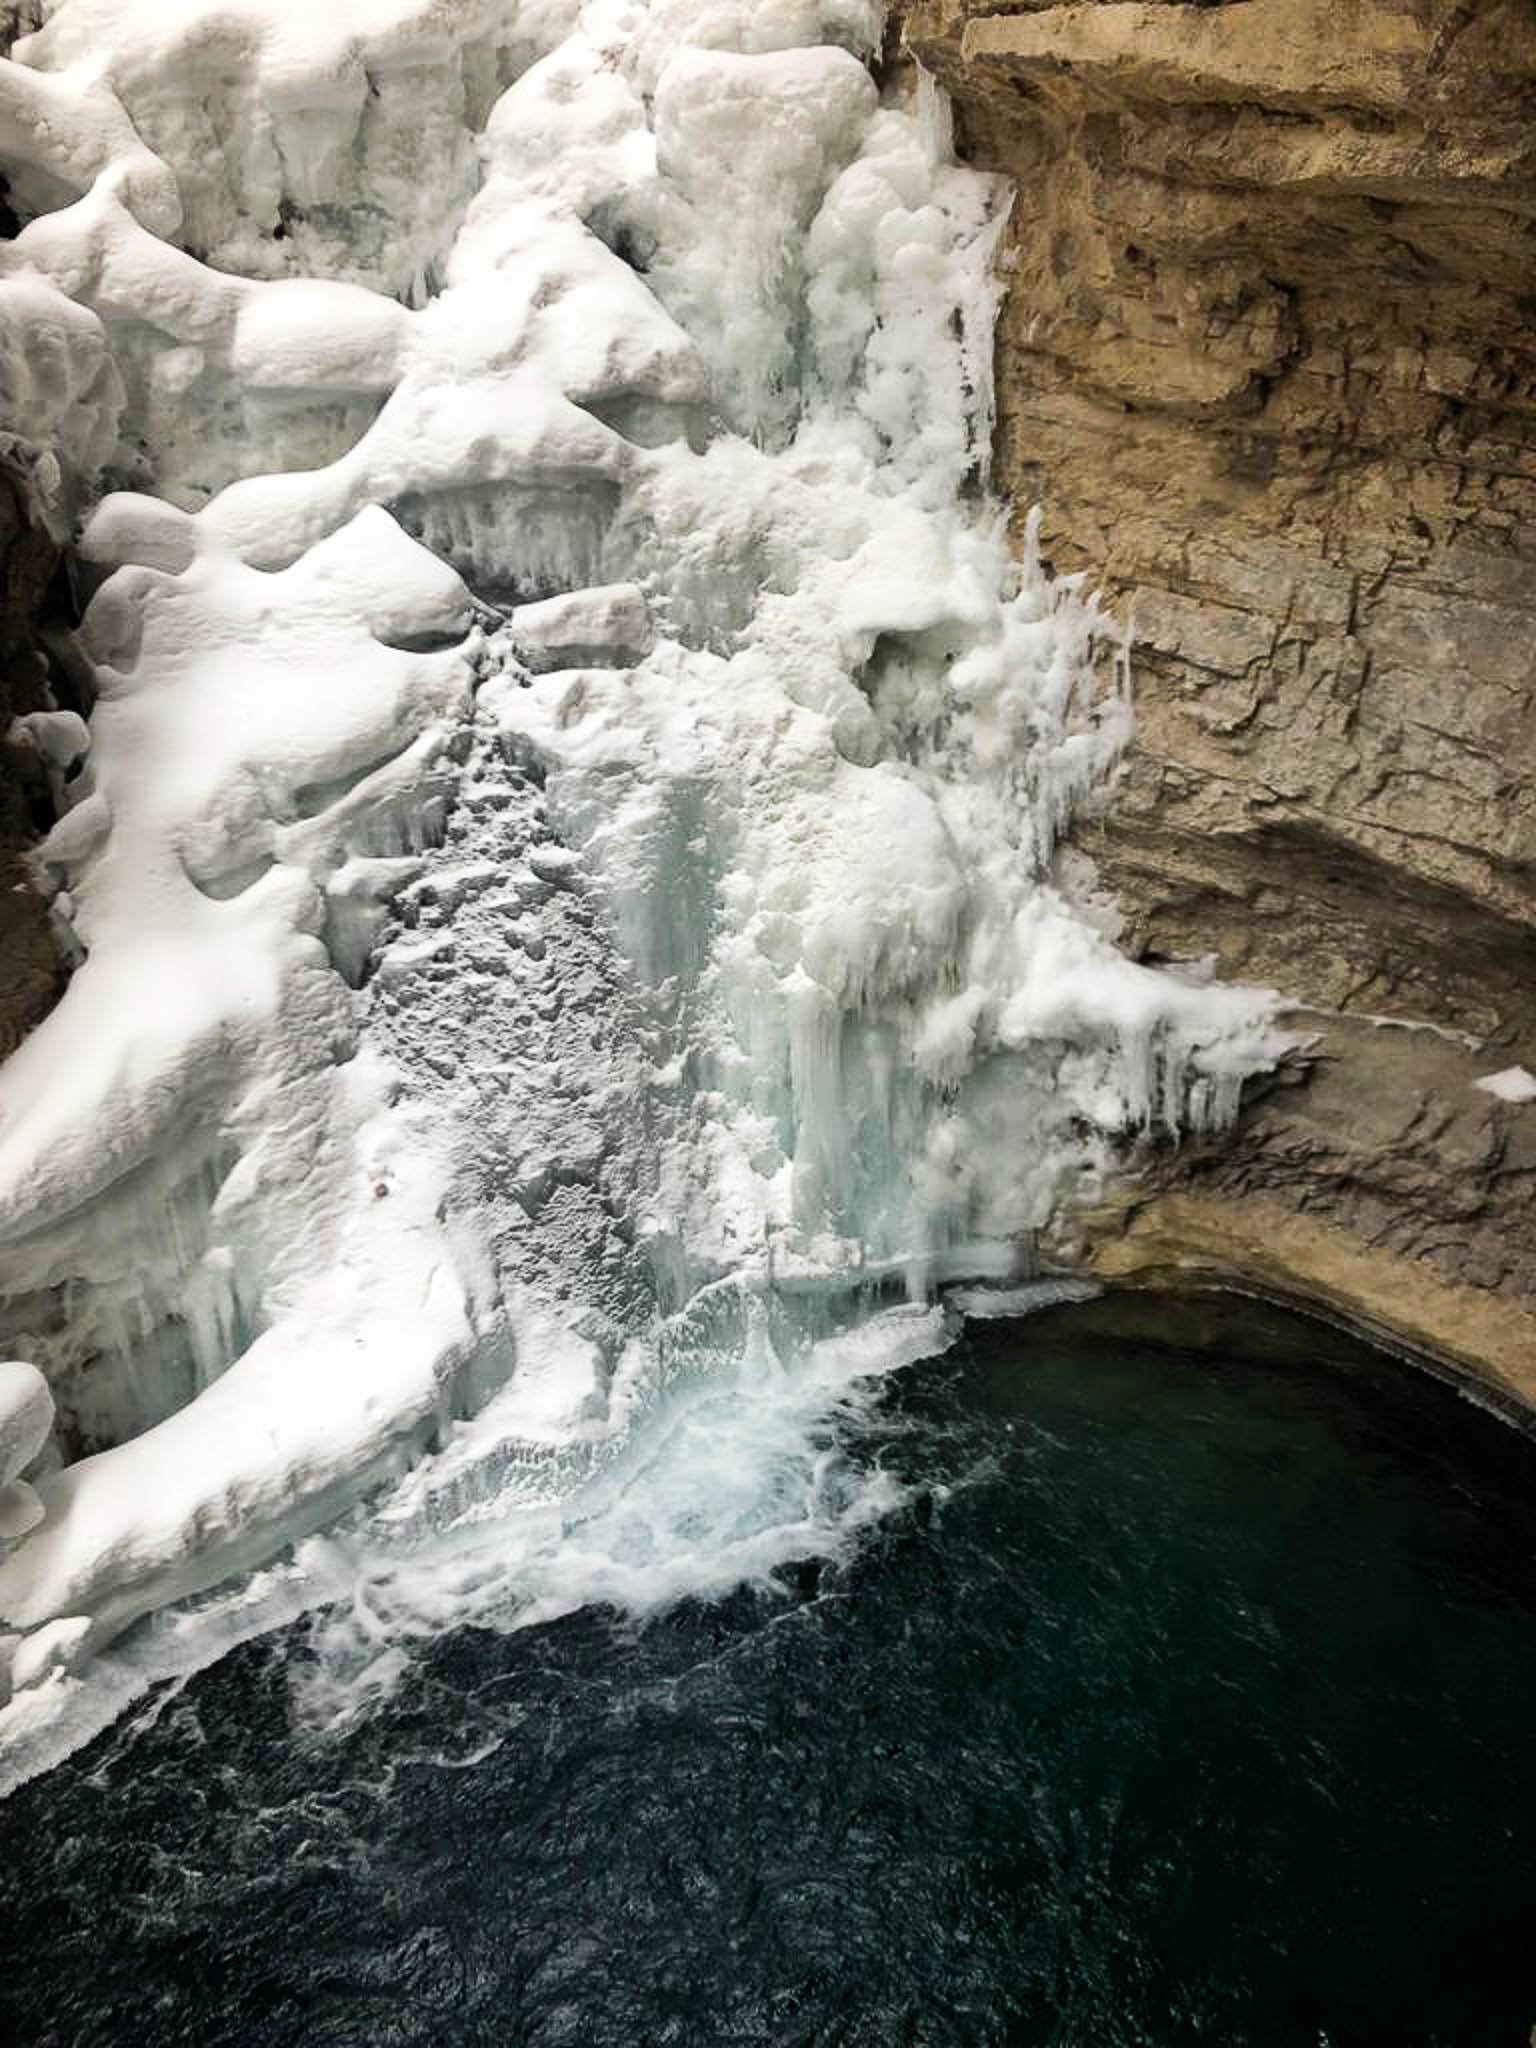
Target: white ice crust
column 1510, row 1084
column 544, row 412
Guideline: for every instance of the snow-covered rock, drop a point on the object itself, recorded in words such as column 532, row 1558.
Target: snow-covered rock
column 26, row 1418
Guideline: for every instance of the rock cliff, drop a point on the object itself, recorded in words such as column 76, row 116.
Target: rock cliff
column 1268, row 363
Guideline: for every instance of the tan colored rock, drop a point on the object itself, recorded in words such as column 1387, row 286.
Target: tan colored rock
column 1268, row 362
column 1380, row 1184
column 1178, row 1241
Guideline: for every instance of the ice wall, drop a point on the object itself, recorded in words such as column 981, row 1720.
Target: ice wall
column 565, row 871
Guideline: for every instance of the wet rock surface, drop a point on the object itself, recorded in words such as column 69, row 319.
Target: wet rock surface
column 30, row 974
column 1267, row 361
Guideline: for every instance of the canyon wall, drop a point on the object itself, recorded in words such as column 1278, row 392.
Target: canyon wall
column 1268, row 363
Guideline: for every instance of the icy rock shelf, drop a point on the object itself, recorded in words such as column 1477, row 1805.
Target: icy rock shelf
column 564, row 861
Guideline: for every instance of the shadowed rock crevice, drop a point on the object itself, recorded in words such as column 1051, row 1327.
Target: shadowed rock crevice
column 30, row 973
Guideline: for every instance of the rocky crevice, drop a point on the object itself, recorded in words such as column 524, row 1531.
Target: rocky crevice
column 31, row 975
column 1268, row 362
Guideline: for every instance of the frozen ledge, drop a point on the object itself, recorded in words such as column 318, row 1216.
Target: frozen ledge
column 1268, row 53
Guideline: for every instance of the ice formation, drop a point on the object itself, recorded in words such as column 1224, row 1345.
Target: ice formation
column 1510, row 1084
column 564, row 875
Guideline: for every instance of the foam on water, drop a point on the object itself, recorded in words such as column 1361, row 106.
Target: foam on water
column 722, row 1467
column 1186, row 1700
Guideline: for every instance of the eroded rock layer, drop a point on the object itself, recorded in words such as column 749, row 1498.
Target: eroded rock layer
column 1268, row 363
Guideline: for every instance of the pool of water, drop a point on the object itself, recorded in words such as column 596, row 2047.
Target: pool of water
column 1187, row 1698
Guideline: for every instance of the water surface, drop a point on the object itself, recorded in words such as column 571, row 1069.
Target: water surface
column 1187, row 1699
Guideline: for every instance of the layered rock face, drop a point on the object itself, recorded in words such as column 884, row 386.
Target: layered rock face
column 1268, row 362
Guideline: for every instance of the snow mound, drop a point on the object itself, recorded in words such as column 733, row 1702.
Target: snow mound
column 349, row 127
column 1513, row 1084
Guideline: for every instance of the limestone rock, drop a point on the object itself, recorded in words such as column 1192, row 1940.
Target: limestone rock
column 1268, row 364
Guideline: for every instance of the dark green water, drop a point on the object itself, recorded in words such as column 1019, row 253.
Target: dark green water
column 1190, row 1701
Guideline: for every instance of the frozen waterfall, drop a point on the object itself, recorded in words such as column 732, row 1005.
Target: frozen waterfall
column 573, row 950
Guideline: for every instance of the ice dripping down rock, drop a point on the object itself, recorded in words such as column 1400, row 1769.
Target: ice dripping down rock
column 564, row 875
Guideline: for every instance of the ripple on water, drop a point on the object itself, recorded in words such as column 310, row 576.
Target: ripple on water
column 1183, row 1698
